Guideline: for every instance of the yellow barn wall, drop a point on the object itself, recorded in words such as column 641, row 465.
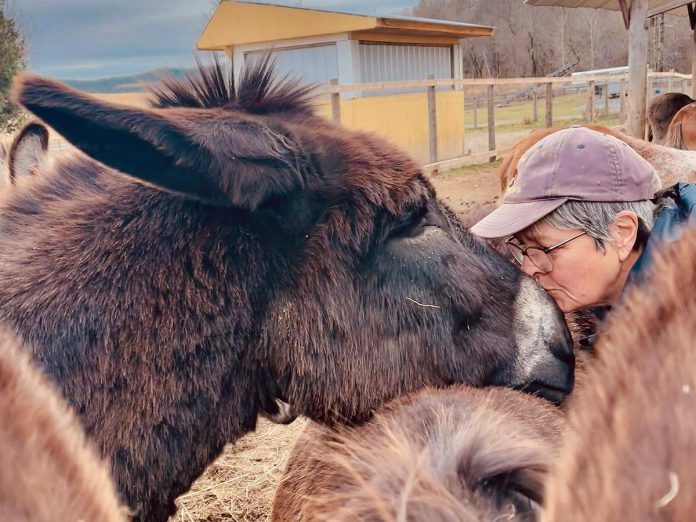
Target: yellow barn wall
column 403, row 120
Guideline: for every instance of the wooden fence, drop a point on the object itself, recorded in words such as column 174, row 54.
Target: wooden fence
column 497, row 91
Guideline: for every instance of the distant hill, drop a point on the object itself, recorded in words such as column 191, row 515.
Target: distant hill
column 124, row 84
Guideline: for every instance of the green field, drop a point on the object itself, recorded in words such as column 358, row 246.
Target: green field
column 567, row 110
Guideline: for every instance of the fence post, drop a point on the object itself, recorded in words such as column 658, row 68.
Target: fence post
column 335, row 102
column 549, row 104
column 463, row 121
column 606, row 98
column 432, row 119
column 589, row 111
column 622, row 102
column 535, row 114
column 491, row 122
column 475, row 112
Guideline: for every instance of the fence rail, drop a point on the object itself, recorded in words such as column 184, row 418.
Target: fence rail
column 481, row 97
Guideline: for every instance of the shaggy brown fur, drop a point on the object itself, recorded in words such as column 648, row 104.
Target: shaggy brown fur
column 457, row 454
column 632, row 430
column 670, row 165
column 48, row 471
column 681, row 133
column 661, row 110
column 228, row 249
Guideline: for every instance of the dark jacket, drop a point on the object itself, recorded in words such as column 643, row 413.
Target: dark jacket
column 676, row 208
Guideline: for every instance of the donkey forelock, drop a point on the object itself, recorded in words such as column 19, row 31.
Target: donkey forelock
column 258, row 91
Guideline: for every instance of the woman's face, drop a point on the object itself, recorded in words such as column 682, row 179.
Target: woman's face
column 582, row 275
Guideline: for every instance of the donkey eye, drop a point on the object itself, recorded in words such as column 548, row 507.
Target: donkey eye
column 410, row 226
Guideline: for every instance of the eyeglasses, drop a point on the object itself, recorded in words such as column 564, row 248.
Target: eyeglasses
column 537, row 255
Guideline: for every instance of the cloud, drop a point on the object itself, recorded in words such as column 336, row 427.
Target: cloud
column 90, row 39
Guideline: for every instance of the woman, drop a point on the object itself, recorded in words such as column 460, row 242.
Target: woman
column 580, row 216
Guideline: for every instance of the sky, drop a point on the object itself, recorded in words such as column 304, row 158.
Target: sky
column 86, row 39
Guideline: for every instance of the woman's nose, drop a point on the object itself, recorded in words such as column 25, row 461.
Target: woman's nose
column 529, row 268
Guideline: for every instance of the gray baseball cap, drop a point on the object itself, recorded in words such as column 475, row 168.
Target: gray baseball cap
column 572, row 164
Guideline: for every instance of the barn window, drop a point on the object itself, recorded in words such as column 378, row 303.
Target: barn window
column 311, row 63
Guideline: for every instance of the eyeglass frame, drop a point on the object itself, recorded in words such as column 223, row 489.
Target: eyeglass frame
column 516, row 247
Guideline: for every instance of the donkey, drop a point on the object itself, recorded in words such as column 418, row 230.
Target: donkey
column 48, row 470
column 661, row 110
column 24, row 154
column 681, row 133
column 627, row 453
column 227, row 248
column 455, row 454
column 29, row 149
column 670, row 165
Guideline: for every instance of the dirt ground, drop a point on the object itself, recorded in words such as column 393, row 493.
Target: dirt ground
column 240, row 484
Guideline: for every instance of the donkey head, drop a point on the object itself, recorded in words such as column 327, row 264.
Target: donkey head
column 376, row 287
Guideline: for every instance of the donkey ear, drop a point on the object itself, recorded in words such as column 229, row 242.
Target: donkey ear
column 28, row 150
column 3, row 153
column 140, row 143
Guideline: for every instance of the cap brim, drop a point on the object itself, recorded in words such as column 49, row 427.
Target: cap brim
column 510, row 218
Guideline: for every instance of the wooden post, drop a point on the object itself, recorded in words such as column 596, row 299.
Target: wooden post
column 606, row 98
column 589, row 110
column 622, row 101
column 335, row 102
column 693, row 67
column 491, row 122
column 463, row 121
column 637, row 68
column 535, row 114
column 475, row 112
column 549, row 105
column 432, row 120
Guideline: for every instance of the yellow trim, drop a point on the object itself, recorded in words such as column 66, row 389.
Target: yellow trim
column 239, row 23
column 369, row 36
column 420, row 26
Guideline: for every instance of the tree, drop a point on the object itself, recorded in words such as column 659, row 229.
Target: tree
column 12, row 60
column 534, row 41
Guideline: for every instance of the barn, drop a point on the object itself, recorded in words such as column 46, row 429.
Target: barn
column 346, row 48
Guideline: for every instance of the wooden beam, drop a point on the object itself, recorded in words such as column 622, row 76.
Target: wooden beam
column 692, row 15
column 637, row 68
column 667, row 7
column 693, row 65
column 491, row 122
column 626, row 12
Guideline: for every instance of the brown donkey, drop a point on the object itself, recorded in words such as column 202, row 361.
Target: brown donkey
column 631, row 428
column 661, row 111
column 681, row 133
column 228, row 248
column 48, row 471
column 456, row 454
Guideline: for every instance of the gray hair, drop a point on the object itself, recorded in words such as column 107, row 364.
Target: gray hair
column 596, row 218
